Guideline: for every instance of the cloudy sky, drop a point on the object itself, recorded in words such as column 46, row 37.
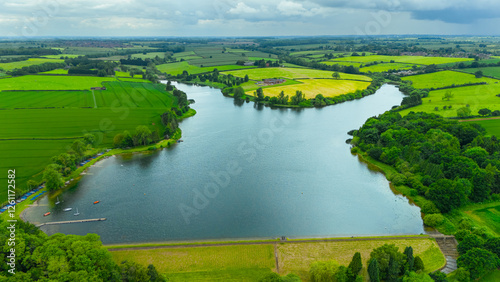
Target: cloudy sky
column 247, row 18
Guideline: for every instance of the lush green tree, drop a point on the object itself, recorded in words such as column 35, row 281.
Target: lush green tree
column 132, row 271
column 89, row 138
column 484, row 112
column 259, row 94
column 342, row 275
column 322, row 271
column 374, row 271
column 478, row 74
column 478, row 262
column 246, row 78
column 118, row 140
column 464, row 112
column 448, row 194
column 418, row 264
column 355, row 265
column 169, row 120
column 448, row 95
column 53, row 179
column 392, row 270
column 78, row 147
column 469, row 242
column 238, row 92
column 336, row 75
column 493, row 245
column 298, row 98
column 417, row 277
column 438, row 276
column 282, row 98
column 142, row 135
column 410, row 259
column 462, row 275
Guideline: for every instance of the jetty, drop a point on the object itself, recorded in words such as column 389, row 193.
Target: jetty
column 71, row 221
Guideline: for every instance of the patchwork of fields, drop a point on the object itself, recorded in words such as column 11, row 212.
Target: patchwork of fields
column 312, row 87
column 50, row 82
column 386, row 67
column 293, row 73
column 27, row 63
column 421, row 60
column 445, row 78
column 489, row 71
column 178, row 68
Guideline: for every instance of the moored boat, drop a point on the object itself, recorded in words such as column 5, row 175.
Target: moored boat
column 47, row 213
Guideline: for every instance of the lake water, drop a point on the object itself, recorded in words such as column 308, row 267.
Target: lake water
column 242, row 171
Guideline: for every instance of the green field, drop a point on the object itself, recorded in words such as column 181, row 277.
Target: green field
column 492, row 126
column 49, row 82
column 489, row 71
column 385, row 67
column 354, row 64
column 178, row 68
column 403, row 59
column 445, row 78
column 122, row 106
column 312, row 87
column 27, row 63
column 489, row 217
column 225, row 263
column 297, row 258
column 57, row 71
column 477, row 97
column 149, row 55
column 293, row 73
column 61, row 55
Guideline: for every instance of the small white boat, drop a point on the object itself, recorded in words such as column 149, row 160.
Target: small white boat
column 67, row 209
column 76, row 213
column 58, row 202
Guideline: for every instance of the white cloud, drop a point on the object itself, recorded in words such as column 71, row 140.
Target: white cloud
column 242, row 8
column 289, row 8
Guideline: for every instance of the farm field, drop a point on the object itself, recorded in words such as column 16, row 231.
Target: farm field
column 148, row 55
column 178, row 68
column 477, row 97
column 59, row 56
column 296, row 258
column 49, row 82
column 489, row 71
column 251, row 85
column 492, row 126
column 27, row 63
column 293, row 73
column 445, row 78
column 330, row 63
column 421, row 60
column 41, row 99
column 228, row 263
column 312, row 87
column 385, row 67
column 57, row 71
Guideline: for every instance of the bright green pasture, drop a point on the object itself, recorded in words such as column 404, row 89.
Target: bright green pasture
column 28, row 158
column 492, row 127
column 312, row 87
column 293, row 73
column 252, row 85
column 133, row 95
column 445, row 78
column 57, row 71
column 489, row 71
column 404, row 59
column 151, row 55
column 27, row 63
column 222, row 263
column 178, row 68
column 385, row 67
column 477, row 97
column 40, row 99
column 493, row 276
column 354, row 64
column 489, row 216
column 122, row 74
column 50, row 82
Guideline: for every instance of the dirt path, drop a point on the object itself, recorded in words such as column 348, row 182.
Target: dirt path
column 267, row 243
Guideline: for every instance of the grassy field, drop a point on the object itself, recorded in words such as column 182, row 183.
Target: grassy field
column 149, row 55
column 29, row 62
column 312, row 87
column 489, row 216
column 330, row 63
column 489, row 71
column 59, row 56
column 178, row 68
column 385, row 67
column 40, row 99
column 492, row 126
column 485, row 215
column 297, row 258
column 49, row 82
column 293, row 73
column 421, row 60
column 57, row 71
column 445, row 78
column 228, row 263
column 477, row 97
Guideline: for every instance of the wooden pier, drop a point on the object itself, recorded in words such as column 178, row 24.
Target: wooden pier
column 72, row 221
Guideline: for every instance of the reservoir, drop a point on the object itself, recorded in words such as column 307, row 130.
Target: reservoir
column 242, row 171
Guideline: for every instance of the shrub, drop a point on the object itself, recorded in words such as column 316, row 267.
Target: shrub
column 429, row 207
column 433, row 220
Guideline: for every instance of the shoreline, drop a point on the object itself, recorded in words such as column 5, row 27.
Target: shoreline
column 78, row 174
